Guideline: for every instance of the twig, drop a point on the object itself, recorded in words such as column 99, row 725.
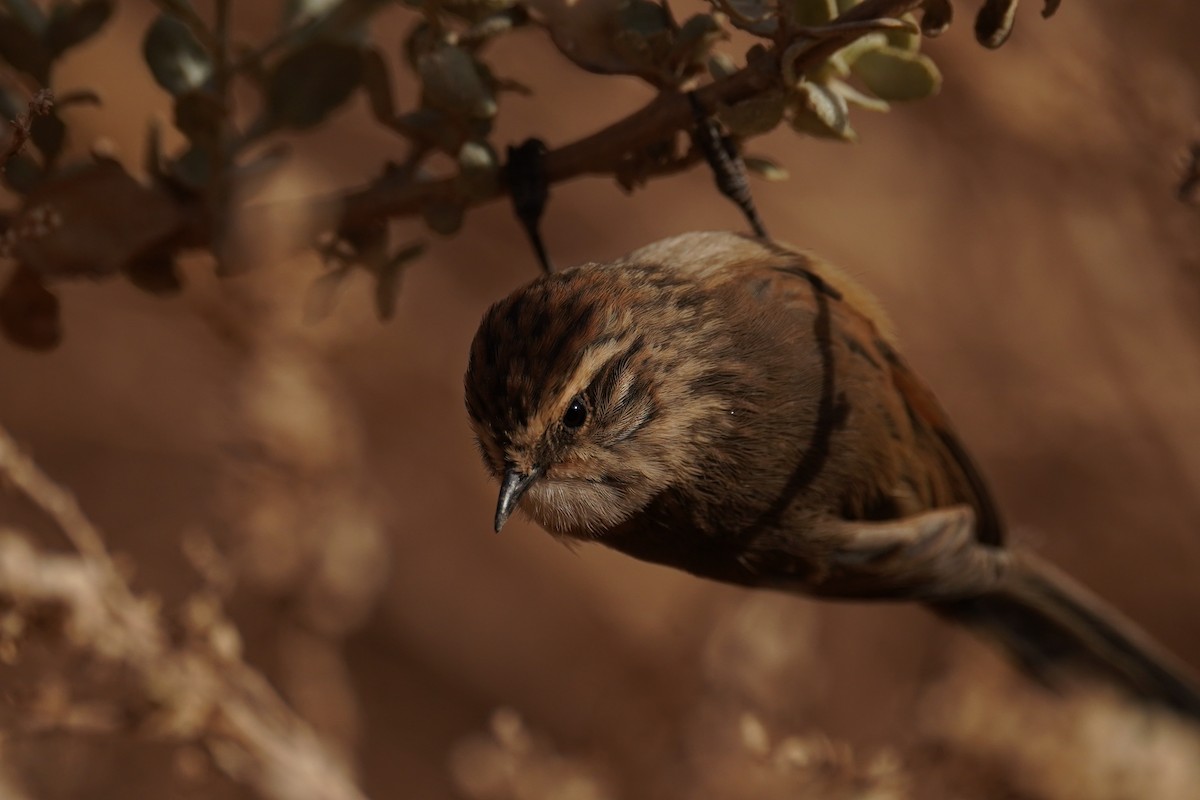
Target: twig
column 22, row 127
column 200, row 688
column 18, row 469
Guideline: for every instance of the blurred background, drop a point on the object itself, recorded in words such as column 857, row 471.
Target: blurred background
column 1023, row 230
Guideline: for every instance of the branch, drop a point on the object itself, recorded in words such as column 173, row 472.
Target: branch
column 200, row 688
column 603, row 151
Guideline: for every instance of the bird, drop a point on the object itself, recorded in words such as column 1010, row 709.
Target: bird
column 739, row 409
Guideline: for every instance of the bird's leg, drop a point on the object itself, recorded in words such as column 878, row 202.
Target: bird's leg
column 728, row 170
column 929, row 556
column 529, row 188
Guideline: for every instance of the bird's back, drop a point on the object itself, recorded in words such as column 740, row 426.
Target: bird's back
column 889, row 448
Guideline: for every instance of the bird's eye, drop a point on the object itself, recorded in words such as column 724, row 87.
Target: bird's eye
column 575, row 415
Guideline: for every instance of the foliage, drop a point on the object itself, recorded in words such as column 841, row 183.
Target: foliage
column 814, row 61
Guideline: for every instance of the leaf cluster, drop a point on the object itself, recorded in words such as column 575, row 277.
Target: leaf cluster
column 237, row 104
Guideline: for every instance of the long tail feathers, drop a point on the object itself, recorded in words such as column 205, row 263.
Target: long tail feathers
column 1048, row 621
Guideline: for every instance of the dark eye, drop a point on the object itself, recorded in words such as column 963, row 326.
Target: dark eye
column 575, row 415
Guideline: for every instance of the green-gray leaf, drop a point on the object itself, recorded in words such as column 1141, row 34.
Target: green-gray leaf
column 479, row 169
column 755, row 16
column 695, row 39
column 28, row 14
column 443, row 215
column 894, row 74
column 48, row 133
column 453, row 82
column 765, row 168
column 754, row 115
column 22, row 174
column 909, row 40
column 994, row 23
column 23, row 50
column 307, row 85
column 176, row 58
column 193, row 169
column 937, row 17
column 819, row 112
column 71, row 24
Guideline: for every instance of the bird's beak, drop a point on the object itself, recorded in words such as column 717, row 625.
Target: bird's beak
column 511, row 488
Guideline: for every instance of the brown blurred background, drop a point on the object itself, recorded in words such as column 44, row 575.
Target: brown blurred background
column 1023, row 230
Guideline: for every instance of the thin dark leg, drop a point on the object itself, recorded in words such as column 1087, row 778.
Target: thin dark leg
column 728, row 170
column 529, row 189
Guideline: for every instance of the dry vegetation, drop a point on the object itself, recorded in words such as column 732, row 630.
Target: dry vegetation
column 318, row 608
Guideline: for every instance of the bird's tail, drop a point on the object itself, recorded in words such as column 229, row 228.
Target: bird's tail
column 1048, row 622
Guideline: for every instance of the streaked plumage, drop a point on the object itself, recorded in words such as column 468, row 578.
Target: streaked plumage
column 746, row 417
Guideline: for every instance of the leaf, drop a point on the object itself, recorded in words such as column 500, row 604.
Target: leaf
column 819, row 112
column 23, row 50
column 937, row 16
column 861, row 99
column 478, row 169
column 48, row 133
column 765, row 168
column 313, row 81
column 755, row 115
column 896, row 75
column 11, row 104
column 453, row 82
column 754, row 16
column 22, row 174
column 192, row 170
column 72, row 24
column 387, row 280
column 102, row 219
column 28, row 14
column 295, row 11
column 721, row 66
column 695, row 39
column 494, row 25
column 643, row 37
column 378, row 83
column 901, row 39
column 29, row 312
column 994, row 23
column 842, row 59
column 432, row 128
column 199, row 114
column 177, row 60
column 155, row 274
column 644, row 17
column 152, row 157
column 443, row 215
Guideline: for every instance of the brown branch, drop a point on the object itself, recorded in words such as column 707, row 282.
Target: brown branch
column 200, row 689
column 22, row 127
column 603, row 151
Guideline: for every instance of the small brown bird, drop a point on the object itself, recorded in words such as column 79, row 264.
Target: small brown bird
column 738, row 410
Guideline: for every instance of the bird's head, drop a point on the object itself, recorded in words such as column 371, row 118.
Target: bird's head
column 581, row 402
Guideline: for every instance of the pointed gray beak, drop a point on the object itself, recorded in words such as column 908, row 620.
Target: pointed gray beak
column 511, row 489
